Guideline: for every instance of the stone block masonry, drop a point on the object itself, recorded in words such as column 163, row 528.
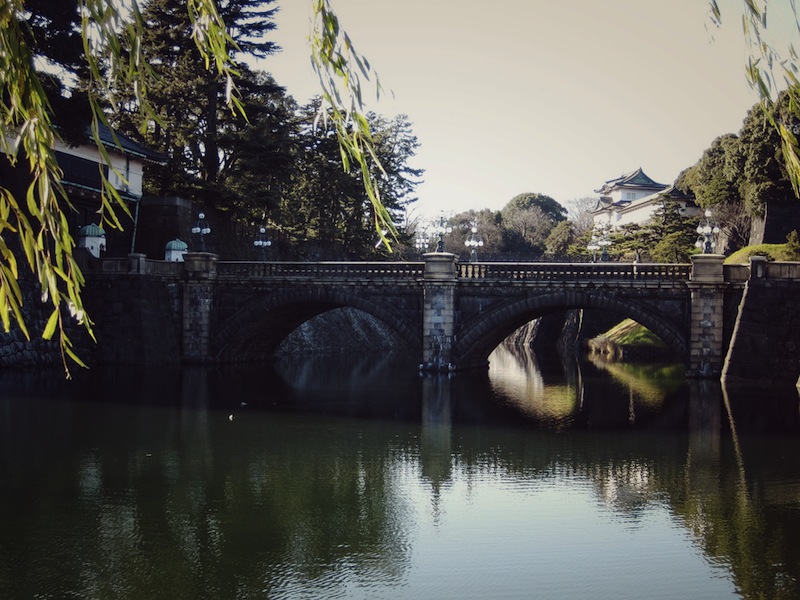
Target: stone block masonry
column 453, row 315
column 766, row 339
column 439, row 314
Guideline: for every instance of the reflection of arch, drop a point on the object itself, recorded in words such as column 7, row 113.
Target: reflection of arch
column 478, row 339
column 261, row 324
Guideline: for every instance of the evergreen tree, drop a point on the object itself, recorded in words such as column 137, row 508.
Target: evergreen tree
column 257, row 156
column 326, row 205
column 189, row 99
column 764, row 177
column 488, row 224
column 560, row 238
column 54, row 34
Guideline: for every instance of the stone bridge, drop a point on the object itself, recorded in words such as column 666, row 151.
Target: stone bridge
column 453, row 313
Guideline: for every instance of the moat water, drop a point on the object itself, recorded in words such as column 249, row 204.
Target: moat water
column 361, row 478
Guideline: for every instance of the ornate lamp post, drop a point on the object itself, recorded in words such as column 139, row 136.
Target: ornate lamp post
column 441, row 228
column 422, row 240
column 604, row 244
column 473, row 242
column 593, row 247
column 707, row 234
column 201, row 228
column 262, row 242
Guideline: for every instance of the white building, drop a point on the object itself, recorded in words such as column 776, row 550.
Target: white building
column 634, row 198
column 81, row 166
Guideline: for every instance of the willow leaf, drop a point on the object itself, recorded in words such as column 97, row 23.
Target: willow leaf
column 52, row 323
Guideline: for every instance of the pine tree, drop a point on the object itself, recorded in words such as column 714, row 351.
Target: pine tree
column 189, row 99
column 327, row 206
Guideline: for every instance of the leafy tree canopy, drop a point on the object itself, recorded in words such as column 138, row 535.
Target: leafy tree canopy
column 529, row 200
column 31, row 34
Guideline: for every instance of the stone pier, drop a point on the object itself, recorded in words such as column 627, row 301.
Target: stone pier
column 707, row 286
column 439, row 313
column 200, row 270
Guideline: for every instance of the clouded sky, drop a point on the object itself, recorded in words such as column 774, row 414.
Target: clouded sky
column 548, row 96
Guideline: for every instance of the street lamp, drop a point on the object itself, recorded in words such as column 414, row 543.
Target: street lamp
column 201, row 228
column 262, row 242
column 441, row 228
column 707, row 234
column 593, row 247
column 473, row 242
column 421, row 241
column 604, row 244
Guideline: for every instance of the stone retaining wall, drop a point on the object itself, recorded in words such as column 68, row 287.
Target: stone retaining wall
column 765, row 345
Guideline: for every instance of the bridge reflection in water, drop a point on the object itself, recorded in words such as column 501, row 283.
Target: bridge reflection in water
column 334, row 477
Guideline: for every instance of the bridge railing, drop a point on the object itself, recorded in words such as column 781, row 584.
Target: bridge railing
column 783, row 270
column 736, row 273
column 582, row 271
column 136, row 264
column 321, row 270
column 416, row 270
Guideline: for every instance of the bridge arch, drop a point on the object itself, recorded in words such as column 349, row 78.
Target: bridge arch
column 479, row 337
column 258, row 327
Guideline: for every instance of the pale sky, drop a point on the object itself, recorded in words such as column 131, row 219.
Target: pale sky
column 547, row 96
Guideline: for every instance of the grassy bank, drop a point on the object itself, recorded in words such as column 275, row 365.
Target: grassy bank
column 629, row 340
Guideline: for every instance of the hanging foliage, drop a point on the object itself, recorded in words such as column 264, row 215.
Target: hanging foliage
column 38, row 220
column 340, row 69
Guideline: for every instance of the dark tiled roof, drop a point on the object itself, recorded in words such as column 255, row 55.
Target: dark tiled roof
column 126, row 145
column 674, row 193
column 636, row 179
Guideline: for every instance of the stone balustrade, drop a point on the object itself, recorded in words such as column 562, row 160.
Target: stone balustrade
column 572, row 271
column 321, row 270
column 486, row 271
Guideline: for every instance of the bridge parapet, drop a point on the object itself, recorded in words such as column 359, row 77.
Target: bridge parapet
column 137, row 264
column 775, row 270
column 575, row 271
column 735, row 273
column 321, row 270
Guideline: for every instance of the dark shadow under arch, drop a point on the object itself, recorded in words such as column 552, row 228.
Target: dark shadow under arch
column 477, row 340
column 256, row 330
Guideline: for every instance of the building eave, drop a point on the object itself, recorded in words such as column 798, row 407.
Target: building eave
column 118, row 142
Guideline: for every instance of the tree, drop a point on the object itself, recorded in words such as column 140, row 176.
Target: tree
column 579, row 211
column 768, row 70
column 560, row 238
column 38, row 223
column 739, row 175
column 714, row 178
column 340, row 69
column 193, row 124
column 760, row 161
column 489, row 231
column 675, row 247
column 257, row 156
column 527, row 220
column 329, row 206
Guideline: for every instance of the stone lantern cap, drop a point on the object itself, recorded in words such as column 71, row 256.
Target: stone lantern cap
column 91, row 230
column 175, row 249
column 176, row 245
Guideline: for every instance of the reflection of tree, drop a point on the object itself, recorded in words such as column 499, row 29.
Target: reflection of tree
column 130, row 501
column 738, row 505
column 148, row 507
column 649, row 383
column 556, row 395
column 516, row 374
